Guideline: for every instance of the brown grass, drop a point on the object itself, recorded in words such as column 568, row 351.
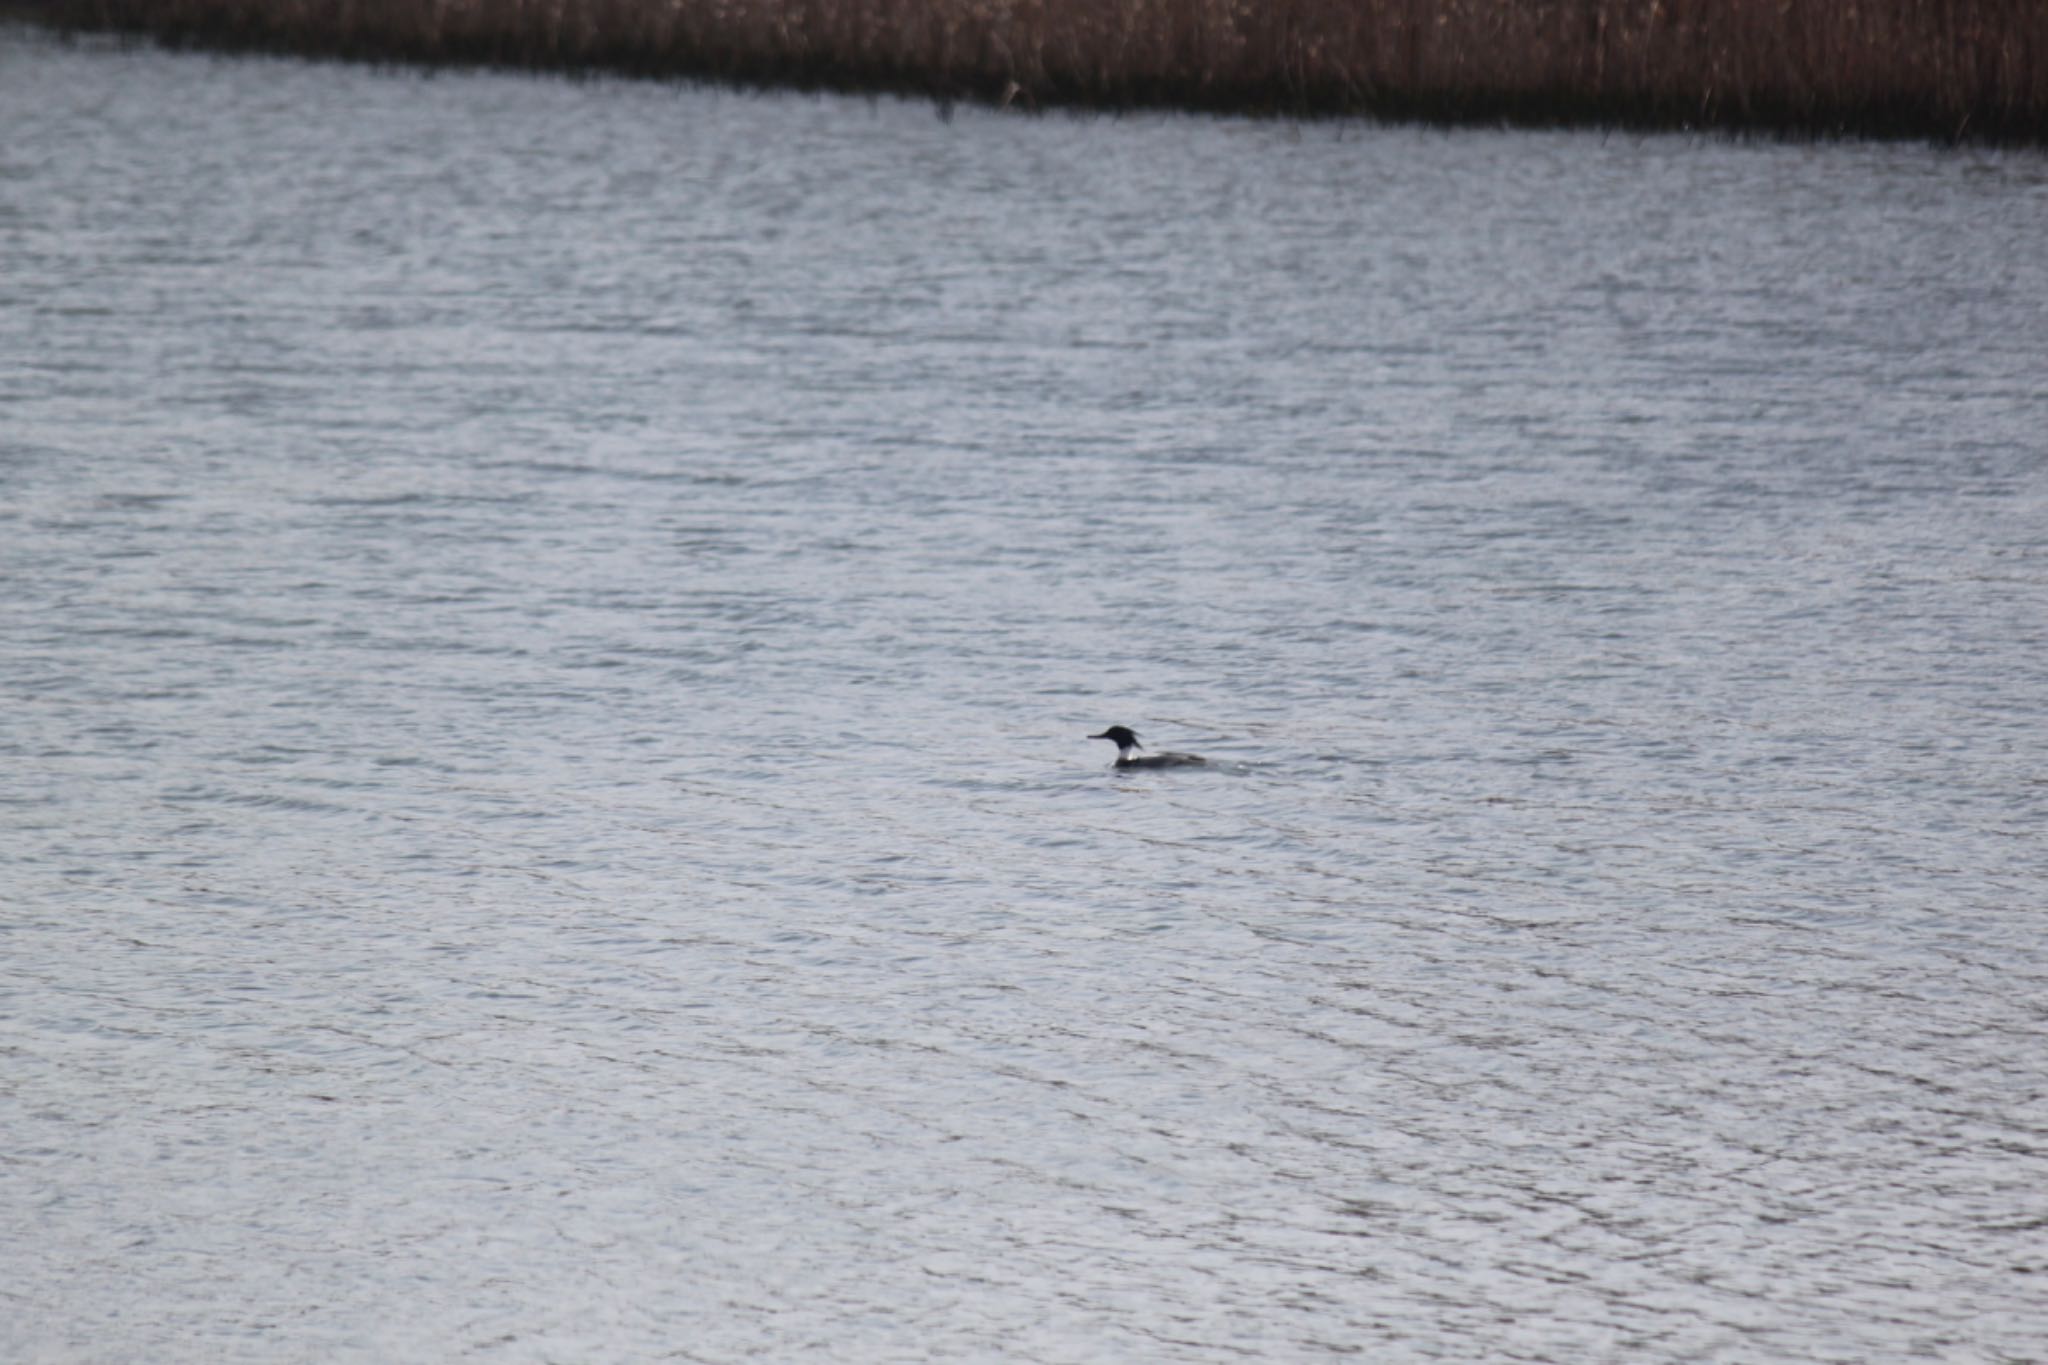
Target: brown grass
column 1942, row 68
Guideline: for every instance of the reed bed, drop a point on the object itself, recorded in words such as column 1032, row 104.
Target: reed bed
column 1942, row 68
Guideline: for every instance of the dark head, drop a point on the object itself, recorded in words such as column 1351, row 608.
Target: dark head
column 1121, row 736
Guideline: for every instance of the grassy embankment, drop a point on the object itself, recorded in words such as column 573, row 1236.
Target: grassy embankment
column 1939, row 68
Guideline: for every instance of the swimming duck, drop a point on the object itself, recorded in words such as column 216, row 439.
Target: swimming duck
column 1126, row 741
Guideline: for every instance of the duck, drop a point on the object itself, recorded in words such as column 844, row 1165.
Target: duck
column 1126, row 740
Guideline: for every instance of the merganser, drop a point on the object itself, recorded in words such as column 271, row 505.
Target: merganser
column 1126, row 741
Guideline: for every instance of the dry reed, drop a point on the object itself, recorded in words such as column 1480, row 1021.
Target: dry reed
column 1943, row 68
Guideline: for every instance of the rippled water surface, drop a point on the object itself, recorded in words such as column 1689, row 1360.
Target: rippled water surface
column 548, row 637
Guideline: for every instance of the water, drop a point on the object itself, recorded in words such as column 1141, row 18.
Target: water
column 548, row 636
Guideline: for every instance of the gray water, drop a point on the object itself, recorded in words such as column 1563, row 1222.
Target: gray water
column 548, row 638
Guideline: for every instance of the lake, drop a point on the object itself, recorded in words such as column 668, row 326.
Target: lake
column 548, row 642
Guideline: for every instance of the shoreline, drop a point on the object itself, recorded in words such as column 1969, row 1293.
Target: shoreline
column 1968, row 70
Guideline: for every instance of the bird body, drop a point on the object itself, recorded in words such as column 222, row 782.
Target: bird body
column 1126, row 740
